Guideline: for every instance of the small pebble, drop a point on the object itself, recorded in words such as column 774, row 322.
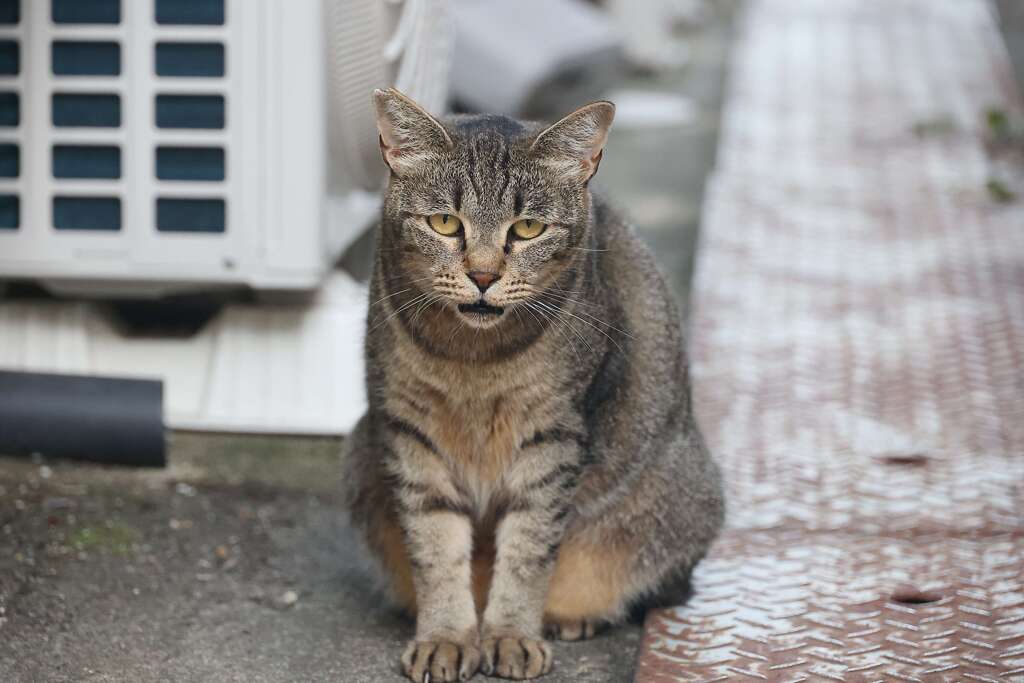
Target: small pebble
column 184, row 489
column 45, row 472
column 289, row 598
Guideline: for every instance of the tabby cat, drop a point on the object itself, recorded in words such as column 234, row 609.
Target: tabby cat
column 529, row 463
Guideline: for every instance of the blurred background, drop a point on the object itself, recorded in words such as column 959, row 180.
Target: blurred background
column 190, row 186
column 188, row 196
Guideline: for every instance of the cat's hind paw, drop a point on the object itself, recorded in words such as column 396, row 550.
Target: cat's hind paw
column 573, row 629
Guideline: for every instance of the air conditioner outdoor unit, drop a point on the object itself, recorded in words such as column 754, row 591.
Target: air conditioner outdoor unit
column 157, row 146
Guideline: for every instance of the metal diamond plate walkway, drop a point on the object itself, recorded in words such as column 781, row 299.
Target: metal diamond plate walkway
column 858, row 349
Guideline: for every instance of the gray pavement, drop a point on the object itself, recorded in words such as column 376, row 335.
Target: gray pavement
column 229, row 572
column 234, row 563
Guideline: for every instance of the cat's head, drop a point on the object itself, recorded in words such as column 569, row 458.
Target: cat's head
column 484, row 213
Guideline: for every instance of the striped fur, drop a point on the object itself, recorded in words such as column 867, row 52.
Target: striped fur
column 535, row 472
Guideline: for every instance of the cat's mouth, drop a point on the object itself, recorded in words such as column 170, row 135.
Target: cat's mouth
column 481, row 308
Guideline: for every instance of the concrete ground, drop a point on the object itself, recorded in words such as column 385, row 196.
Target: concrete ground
column 234, row 564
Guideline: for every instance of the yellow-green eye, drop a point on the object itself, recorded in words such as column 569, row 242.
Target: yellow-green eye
column 444, row 223
column 527, row 229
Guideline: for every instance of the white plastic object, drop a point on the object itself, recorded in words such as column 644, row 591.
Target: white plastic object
column 299, row 142
column 510, row 54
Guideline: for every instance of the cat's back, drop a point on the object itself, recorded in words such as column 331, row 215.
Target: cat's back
column 640, row 300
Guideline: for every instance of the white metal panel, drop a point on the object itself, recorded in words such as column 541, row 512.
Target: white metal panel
column 281, row 228
column 274, row 369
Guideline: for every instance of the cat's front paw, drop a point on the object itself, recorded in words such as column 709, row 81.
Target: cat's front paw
column 437, row 661
column 518, row 658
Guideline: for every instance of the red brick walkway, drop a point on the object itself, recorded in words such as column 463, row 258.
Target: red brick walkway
column 859, row 357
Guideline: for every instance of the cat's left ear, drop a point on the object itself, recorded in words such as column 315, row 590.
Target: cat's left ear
column 409, row 136
column 573, row 146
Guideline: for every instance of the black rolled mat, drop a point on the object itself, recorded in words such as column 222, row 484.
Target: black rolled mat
column 99, row 419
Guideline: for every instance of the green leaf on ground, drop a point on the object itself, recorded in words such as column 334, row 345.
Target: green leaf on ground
column 998, row 122
column 998, row 190
column 115, row 538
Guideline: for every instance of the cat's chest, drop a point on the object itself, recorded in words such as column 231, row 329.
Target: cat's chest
column 477, row 421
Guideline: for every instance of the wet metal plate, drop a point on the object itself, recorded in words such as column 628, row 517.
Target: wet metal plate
column 858, row 350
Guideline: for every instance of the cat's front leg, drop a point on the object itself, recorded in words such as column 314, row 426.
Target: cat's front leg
column 439, row 540
column 527, row 540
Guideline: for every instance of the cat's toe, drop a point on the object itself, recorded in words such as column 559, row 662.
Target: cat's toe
column 516, row 658
column 573, row 629
column 440, row 661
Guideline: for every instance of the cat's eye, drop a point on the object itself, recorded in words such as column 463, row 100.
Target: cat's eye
column 444, row 223
column 527, row 229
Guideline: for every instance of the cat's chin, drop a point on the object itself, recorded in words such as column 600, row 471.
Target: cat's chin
column 480, row 314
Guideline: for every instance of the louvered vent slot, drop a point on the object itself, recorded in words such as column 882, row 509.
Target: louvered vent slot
column 190, row 77
column 10, row 12
column 190, row 60
column 190, row 215
column 190, row 12
column 87, row 213
column 81, row 58
column 190, row 163
column 190, row 111
column 86, row 111
column 10, row 160
column 10, row 211
column 85, row 11
column 86, row 161
column 10, row 109
column 10, row 58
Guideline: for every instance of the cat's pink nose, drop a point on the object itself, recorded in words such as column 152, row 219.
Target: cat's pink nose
column 483, row 279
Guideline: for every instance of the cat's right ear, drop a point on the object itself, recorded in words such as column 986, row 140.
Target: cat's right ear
column 573, row 146
column 409, row 136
